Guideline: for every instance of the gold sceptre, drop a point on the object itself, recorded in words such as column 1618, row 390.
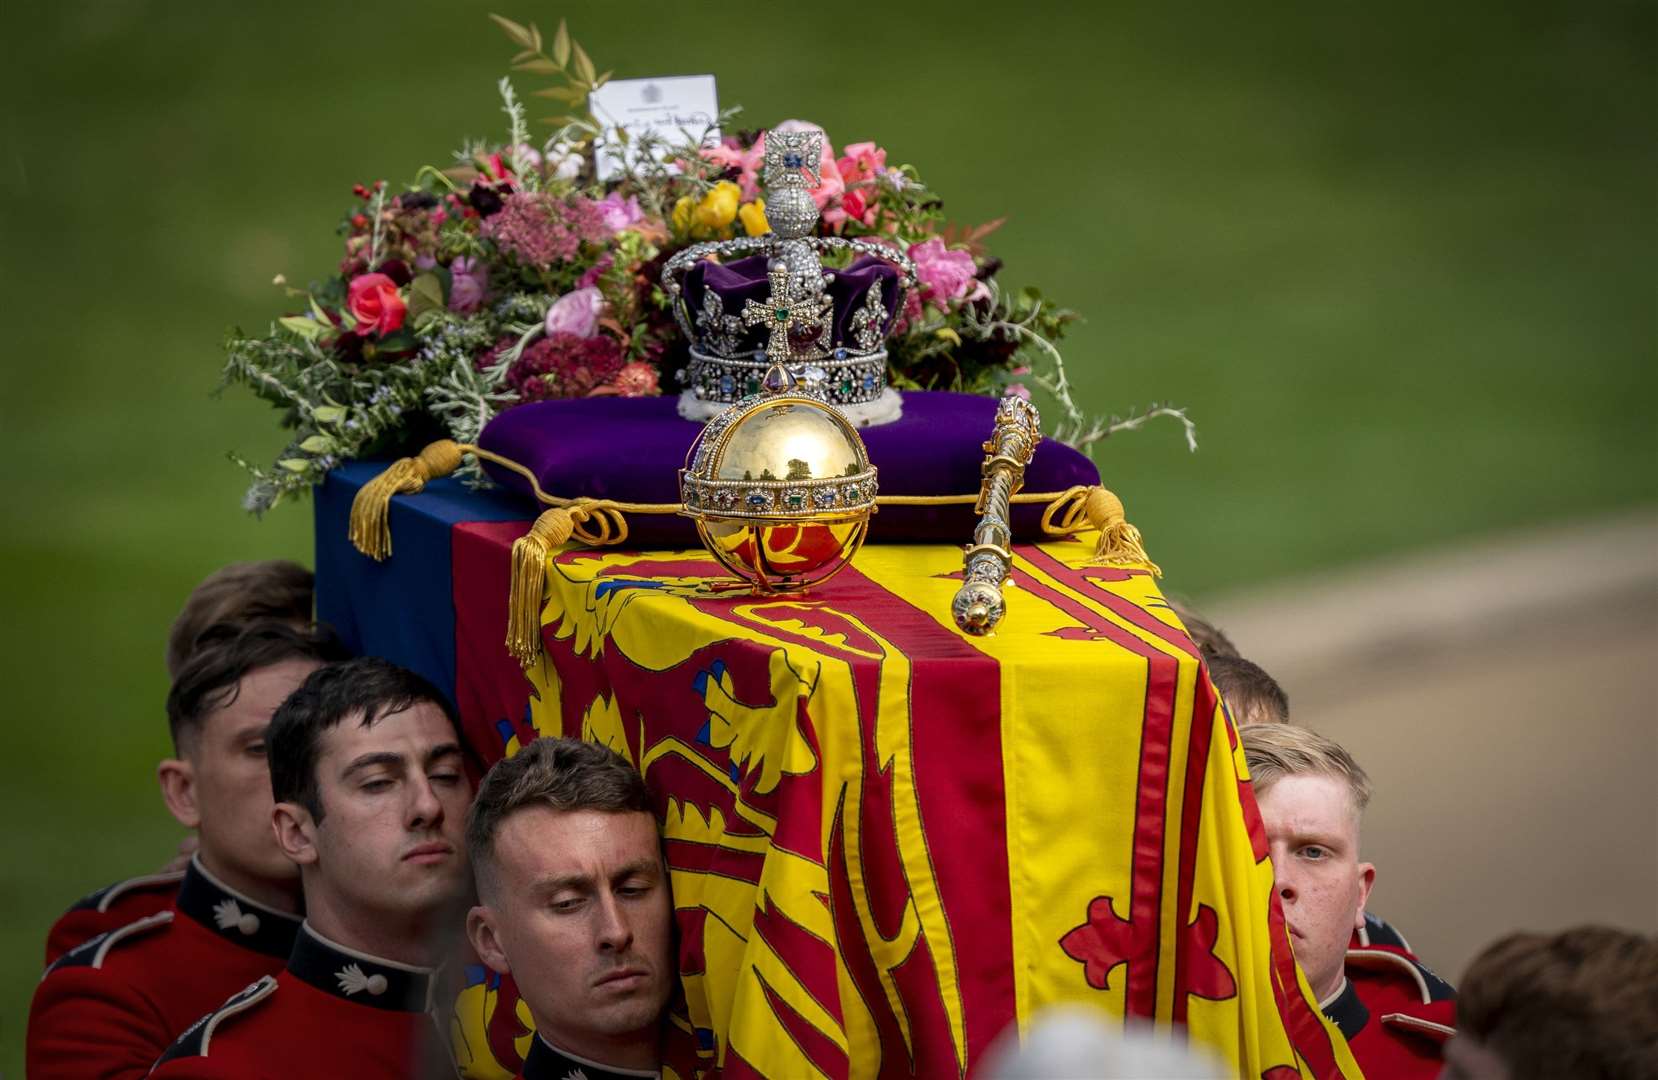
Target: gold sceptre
column 987, row 561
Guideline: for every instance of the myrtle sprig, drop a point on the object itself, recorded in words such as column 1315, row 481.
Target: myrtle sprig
column 566, row 61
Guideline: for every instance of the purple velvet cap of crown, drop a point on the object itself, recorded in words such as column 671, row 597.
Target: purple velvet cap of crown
column 743, row 280
column 631, row 450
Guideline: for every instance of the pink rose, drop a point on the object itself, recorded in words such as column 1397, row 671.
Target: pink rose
column 945, row 274
column 468, row 280
column 731, row 155
column 374, row 303
column 855, row 205
column 617, row 213
column 576, row 313
column 861, row 162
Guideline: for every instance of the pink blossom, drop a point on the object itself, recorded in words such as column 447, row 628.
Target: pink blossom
column 1019, row 390
column 576, row 313
column 598, row 270
column 730, row 155
column 468, row 281
column 862, row 161
column 617, row 213
column 540, row 229
column 946, row 275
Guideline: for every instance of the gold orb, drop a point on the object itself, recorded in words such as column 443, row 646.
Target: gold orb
column 781, row 489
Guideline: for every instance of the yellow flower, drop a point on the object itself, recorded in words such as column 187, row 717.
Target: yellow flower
column 719, row 207
column 682, row 212
column 754, row 218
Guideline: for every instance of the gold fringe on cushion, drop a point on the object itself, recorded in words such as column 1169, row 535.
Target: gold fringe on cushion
column 1094, row 507
column 370, row 531
column 529, row 577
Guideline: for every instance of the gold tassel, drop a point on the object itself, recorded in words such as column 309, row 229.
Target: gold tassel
column 529, row 578
column 370, row 510
column 1119, row 543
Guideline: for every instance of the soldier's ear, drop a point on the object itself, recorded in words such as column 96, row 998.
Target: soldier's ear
column 178, row 790
column 296, row 833
column 480, row 931
column 1367, row 881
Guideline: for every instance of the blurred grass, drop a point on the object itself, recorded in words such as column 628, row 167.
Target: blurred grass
column 1397, row 261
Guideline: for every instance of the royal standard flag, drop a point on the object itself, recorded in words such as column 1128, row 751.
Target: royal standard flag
column 888, row 840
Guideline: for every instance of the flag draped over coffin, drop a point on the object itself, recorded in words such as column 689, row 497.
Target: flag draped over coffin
column 889, row 840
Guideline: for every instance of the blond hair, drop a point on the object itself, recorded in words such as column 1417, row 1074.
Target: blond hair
column 1275, row 751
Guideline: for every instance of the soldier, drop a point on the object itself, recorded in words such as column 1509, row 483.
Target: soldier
column 1395, row 1013
column 239, row 594
column 574, row 904
column 1251, row 695
column 1581, row 1003
column 371, row 794
column 108, row 1007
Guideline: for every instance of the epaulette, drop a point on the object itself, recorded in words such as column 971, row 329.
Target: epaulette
column 91, row 953
column 1379, row 958
column 196, row 1037
column 106, row 896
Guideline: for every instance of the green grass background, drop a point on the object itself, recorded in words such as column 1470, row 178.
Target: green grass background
column 1397, row 260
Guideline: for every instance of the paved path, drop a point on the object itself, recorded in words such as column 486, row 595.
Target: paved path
column 1501, row 697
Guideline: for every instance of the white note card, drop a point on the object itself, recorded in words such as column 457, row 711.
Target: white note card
column 676, row 108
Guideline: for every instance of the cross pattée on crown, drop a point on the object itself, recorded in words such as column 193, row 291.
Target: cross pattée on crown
column 790, row 152
column 785, row 312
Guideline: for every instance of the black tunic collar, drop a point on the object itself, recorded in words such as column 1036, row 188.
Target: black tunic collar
column 548, row 1062
column 234, row 917
column 1347, row 1012
column 354, row 976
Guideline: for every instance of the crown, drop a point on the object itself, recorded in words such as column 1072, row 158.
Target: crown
column 755, row 301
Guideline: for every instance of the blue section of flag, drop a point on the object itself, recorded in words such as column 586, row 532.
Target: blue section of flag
column 404, row 608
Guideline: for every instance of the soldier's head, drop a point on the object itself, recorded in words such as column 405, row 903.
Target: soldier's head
column 573, row 897
column 219, row 708
column 1312, row 795
column 1580, row 1003
column 1210, row 639
column 240, row 593
column 1251, row 695
column 367, row 767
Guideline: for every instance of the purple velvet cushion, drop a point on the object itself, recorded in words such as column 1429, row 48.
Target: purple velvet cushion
column 631, row 450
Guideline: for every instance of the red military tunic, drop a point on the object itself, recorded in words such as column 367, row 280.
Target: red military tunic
column 332, row 1012
column 111, row 908
column 110, row 1006
column 1395, row 1013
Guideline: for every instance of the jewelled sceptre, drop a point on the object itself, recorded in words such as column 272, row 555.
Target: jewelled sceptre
column 978, row 605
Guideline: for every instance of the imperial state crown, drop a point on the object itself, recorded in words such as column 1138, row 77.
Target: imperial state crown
column 774, row 302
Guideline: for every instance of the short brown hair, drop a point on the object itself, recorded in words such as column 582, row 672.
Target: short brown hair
column 225, row 653
column 367, row 690
column 1275, row 751
column 1252, row 696
column 238, row 593
column 1580, row 1003
column 1210, row 640
column 561, row 774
